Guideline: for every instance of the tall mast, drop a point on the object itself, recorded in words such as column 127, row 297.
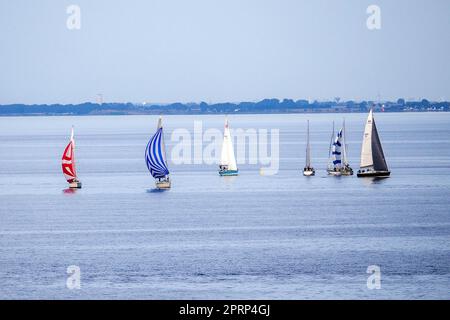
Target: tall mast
column 73, row 148
column 163, row 145
column 329, row 149
column 344, row 154
column 308, row 148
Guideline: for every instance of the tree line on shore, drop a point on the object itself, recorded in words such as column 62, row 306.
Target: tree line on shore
column 263, row 106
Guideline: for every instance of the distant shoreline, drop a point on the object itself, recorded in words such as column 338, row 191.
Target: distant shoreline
column 198, row 114
column 266, row 106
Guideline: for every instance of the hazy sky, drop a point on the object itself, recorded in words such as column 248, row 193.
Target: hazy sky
column 223, row 50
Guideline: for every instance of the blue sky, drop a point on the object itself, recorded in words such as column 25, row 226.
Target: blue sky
column 233, row 50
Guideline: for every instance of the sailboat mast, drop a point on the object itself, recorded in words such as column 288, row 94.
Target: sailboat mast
column 308, row 148
column 344, row 142
column 163, row 144
column 72, row 140
column 330, row 161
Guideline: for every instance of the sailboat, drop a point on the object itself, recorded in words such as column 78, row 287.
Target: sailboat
column 227, row 164
column 346, row 170
column 308, row 170
column 334, row 154
column 338, row 164
column 68, row 164
column 155, row 158
column 373, row 163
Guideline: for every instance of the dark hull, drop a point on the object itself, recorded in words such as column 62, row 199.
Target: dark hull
column 75, row 185
column 373, row 174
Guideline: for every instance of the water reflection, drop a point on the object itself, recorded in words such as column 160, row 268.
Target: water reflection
column 373, row 181
column 156, row 190
column 228, row 180
column 70, row 191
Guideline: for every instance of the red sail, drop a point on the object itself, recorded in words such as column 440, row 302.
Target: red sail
column 68, row 162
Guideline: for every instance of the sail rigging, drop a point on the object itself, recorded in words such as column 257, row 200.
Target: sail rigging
column 68, row 160
column 155, row 154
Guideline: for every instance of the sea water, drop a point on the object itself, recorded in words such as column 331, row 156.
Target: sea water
column 255, row 236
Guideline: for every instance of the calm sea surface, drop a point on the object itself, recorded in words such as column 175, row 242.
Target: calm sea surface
column 253, row 236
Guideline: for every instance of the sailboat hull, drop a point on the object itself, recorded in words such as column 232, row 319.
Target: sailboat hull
column 163, row 184
column 347, row 172
column 229, row 172
column 309, row 173
column 334, row 173
column 373, row 174
column 75, row 185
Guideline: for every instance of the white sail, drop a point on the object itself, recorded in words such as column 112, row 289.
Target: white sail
column 227, row 157
column 366, row 151
column 308, row 149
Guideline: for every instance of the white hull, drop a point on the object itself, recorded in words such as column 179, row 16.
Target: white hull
column 309, row 173
column 334, row 173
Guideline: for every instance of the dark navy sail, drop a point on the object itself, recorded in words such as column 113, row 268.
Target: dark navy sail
column 379, row 162
column 337, row 150
column 155, row 155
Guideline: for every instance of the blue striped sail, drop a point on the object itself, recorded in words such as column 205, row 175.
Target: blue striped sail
column 337, row 150
column 155, row 155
